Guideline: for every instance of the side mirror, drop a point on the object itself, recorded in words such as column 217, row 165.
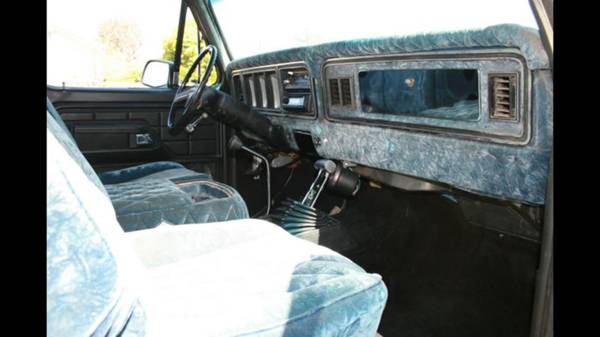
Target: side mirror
column 157, row 73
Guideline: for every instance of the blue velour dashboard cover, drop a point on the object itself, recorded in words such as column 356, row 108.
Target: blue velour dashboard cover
column 508, row 171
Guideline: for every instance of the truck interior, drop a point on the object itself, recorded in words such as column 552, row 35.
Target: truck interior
column 395, row 185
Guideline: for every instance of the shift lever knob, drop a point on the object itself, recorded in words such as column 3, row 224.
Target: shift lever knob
column 325, row 164
column 326, row 168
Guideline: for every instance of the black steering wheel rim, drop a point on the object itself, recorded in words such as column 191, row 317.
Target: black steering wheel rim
column 192, row 94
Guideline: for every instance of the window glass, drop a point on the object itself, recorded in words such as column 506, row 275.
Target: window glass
column 193, row 44
column 260, row 26
column 107, row 43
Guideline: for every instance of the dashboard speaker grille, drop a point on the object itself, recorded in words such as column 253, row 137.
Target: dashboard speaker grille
column 503, row 96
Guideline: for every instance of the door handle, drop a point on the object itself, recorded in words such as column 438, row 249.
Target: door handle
column 143, row 139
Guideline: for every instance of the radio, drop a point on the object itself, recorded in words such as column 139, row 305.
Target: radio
column 296, row 95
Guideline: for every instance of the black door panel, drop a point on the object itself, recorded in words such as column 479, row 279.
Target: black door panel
column 116, row 128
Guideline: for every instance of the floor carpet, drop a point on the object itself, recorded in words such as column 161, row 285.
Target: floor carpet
column 445, row 277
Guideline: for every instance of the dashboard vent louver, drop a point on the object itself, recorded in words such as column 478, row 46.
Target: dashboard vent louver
column 275, row 90
column 503, row 96
column 260, row 90
column 334, row 91
column 237, row 85
column 259, row 94
column 340, row 92
column 273, row 84
column 346, row 92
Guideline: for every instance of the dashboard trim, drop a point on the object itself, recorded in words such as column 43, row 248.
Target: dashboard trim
column 499, row 168
column 472, row 55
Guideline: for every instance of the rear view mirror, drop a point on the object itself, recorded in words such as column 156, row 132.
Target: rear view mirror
column 157, row 73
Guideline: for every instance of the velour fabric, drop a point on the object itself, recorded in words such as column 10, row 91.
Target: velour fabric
column 144, row 196
column 237, row 278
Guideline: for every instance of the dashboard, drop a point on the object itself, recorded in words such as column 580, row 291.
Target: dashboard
column 470, row 109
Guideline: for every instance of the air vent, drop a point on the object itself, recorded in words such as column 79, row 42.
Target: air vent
column 237, row 84
column 346, row 92
column 334, row 91
column 274, row 85
column 248, row 84
column 503, row 96
column 276, row 90
column 340, row 92
column 260, row 90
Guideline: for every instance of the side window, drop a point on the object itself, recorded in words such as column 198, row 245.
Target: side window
column 193, row 44
column 107, row 43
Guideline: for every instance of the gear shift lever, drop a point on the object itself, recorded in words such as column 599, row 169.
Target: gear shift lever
column 325, row 167
column 296, row 216
column 235, row 143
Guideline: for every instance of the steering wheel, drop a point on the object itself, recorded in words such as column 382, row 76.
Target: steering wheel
column 191, row 95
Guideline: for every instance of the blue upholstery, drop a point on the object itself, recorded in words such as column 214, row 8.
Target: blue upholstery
column 64, row 137
column 147, row 195
column 146, row 203
column 526, row 39
column 89, row 266
column 239, row 278
column 52, row 111
column 136, row 172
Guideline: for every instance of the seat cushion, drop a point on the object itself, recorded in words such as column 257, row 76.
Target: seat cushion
column 252, row 278
column 245, row 277
column 147, row 202
column 155, row 170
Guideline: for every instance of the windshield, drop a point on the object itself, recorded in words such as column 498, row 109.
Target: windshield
column 253, row 27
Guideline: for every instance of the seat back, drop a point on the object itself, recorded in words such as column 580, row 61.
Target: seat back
column 52, row 111
column 62, row 135
column 90, row 268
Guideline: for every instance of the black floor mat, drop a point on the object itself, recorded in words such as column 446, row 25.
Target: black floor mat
column 445, row 277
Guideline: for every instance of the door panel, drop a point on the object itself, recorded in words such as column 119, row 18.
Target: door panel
column 116, row 128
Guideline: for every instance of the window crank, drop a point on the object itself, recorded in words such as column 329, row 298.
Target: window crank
column 192, row 126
